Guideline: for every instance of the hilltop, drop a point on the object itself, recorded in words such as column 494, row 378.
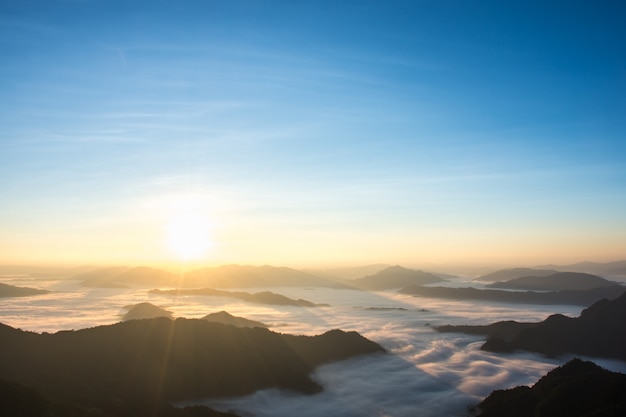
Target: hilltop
column 226, row 318
column 145, row 311
column 576, row 389
column 395, row 277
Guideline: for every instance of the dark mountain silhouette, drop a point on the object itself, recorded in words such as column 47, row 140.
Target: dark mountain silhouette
column 143, row 364
column 555, row 282
column 18, row 400
column 145, row 311
column 576, row 389
column 242, row 276
column 226, row 318
column 582, row 298
column 395, row 277
column 122, row 277
column 263, row 297
column 508, row 274
column 599, row 331
column 7, row 290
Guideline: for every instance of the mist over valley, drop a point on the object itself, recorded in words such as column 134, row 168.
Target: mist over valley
column 427, row 370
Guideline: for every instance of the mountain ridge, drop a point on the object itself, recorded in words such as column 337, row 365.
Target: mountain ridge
column 559, row 281
column 160, row 360
column 599, row 331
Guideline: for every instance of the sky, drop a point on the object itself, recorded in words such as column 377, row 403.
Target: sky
column 312, row 133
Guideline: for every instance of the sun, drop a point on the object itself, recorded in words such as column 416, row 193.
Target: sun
column 188, row 235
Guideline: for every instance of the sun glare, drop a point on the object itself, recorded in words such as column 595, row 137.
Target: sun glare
column 189, row 236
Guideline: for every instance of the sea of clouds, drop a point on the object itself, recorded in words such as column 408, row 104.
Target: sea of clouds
column 426, row 373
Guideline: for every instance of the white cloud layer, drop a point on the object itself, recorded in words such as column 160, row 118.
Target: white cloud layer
column 426, row 373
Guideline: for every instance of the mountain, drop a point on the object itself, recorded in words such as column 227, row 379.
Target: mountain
column 123, row 277
column 599, row 331
column 582, row 298
column 263, row 297
column 7, row 290
column 555, row 282
column 242, row 276
column 576, row 389
column 508, row 274
column 225, row 318
column 348, row 273
column 502, row 330
column 395, row 277
column 43, row 271
column 145, row 311
column 139, row 365
column 615, row 269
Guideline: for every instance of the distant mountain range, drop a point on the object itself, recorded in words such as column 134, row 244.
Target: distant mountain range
column 555, row 282
column 600, row 331
column 610, row 270
column 7, row 290
column 227, row 276
column 508, row 274
column 615, row 269
column 123, row 277
column 573, row 297
column 137, row 367
column 576, row 389
column 246, row 276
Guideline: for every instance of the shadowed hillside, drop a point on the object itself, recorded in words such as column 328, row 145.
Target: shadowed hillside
column 576, row 389
column 600, row 331
column 141, row 362
column 17, row 400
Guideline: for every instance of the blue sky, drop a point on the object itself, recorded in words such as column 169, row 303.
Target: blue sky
column 306, row 133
